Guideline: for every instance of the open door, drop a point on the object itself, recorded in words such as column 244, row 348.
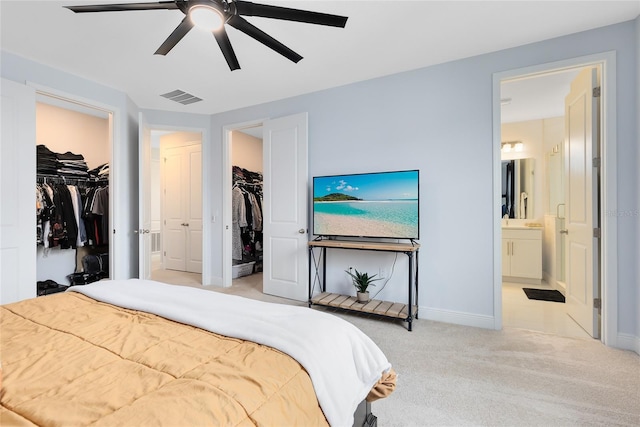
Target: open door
column 17, row 182
column 581, row 197
column 285, row 207
column 144, row 201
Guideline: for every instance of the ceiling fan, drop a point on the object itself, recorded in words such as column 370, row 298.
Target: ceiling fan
column 212, row 15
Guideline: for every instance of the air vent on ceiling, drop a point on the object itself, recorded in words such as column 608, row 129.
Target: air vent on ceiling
column 182, row 97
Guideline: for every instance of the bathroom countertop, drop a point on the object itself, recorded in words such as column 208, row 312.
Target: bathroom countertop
column 520, row 225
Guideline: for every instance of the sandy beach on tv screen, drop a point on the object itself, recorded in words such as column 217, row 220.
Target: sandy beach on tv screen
column 327, row 224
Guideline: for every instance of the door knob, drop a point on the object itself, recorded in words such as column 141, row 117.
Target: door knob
column 564, row 231
column 302, row 231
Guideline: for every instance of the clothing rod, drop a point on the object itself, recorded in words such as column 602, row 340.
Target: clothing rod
column 59, row 179
column 255, row 184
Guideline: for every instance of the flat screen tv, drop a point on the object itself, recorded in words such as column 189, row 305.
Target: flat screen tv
column 378, row 204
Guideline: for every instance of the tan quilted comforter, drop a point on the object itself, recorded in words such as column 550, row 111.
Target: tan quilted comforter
column 68, row 360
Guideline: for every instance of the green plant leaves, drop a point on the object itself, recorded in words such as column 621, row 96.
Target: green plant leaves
column 362, row 281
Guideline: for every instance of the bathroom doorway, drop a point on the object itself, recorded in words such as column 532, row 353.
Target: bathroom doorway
column 549, row 204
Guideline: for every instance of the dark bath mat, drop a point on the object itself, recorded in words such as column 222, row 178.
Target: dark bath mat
column 544, row 294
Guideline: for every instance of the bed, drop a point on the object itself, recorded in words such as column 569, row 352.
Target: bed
column 138, row 352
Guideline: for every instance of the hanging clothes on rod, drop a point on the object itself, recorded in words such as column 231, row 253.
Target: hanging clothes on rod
column 72, row 203
column 246, row 199
column 96, row 214
column 71, row 212
column 56, row 219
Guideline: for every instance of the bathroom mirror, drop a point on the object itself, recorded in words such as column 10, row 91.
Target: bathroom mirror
column 517, row 188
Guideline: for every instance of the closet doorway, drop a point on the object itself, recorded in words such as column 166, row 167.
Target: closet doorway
column 176, row 238
column 285, row 205
column 247, row 190
column 73, row 159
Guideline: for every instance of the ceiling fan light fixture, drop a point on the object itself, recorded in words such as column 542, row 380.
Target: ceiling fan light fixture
column 206, row 17
column 213, row 15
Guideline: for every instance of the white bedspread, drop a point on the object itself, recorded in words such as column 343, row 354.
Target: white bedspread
column 343, row 363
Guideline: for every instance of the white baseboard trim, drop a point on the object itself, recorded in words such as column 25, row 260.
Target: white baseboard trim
column 525, row 280
column 457, row 318
column 215, row 281
column 628, row 342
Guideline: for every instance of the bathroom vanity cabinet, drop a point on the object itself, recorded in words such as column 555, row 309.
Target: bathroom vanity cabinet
column 522, row 254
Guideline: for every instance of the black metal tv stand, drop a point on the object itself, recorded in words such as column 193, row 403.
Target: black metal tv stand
column 406, row 312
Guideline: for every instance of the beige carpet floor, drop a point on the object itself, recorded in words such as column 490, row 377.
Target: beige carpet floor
column 450, row 375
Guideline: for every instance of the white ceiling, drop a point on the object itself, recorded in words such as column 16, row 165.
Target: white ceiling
column 536, row 97
column 380, row 38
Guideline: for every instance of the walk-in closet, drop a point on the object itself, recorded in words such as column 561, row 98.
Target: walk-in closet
column 247, row 199
column 72, row 194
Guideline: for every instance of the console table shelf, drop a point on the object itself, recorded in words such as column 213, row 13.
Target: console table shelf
column 406, row 312
column 381, row 308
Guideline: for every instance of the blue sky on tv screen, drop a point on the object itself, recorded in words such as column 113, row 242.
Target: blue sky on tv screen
column 401, row 185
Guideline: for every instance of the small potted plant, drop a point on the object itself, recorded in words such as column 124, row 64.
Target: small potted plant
column 361, row 281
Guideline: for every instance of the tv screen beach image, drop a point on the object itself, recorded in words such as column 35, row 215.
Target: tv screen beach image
column 381, row 204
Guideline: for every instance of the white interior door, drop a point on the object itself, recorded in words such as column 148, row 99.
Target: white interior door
column 582, row 136
column 193, row 155
column 17, row 182
column 144, row 198
column 182, row 176
column 174, row 233
column 285, row 229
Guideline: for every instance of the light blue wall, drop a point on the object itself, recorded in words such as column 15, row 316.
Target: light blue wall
column 637, row 180
column 439, row 120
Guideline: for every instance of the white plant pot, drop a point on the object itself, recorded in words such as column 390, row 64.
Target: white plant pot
column 362, row 296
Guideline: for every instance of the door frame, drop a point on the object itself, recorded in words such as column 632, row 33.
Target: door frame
column 608, row 193
column 227, row 235
column 144, row 198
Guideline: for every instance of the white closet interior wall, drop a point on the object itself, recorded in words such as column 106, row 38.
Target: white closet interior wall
column 246, row 151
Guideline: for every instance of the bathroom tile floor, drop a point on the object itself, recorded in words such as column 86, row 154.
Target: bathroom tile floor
column 544, row 316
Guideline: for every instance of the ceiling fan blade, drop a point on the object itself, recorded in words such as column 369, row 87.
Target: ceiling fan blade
column 227, row 50
column 264, row 38
column 177, row 35
column 123, row 7
column 248, row 8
